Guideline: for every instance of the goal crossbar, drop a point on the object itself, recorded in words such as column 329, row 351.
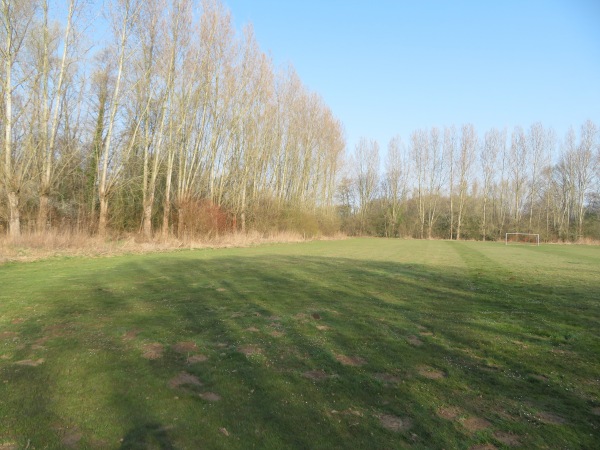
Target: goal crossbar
column 522, row 238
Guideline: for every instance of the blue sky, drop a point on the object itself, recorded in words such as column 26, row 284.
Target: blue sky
column 389, row 67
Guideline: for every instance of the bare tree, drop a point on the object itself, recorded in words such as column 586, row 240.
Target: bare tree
column 395, row 184
column 584, row 170
column 420, row 155
column 468, row 146
column 17, row 18
column 519, row 168
column 53, row 103
column 450, row 154
column 488, row 158
column 125, row 16
column 366, row 166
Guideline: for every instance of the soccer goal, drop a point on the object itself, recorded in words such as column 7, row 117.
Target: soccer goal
column 522, row 238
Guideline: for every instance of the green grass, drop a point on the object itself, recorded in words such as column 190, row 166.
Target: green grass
column 457, row 344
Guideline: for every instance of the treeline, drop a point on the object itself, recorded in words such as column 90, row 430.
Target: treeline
column 176, row 124
column 458, row 184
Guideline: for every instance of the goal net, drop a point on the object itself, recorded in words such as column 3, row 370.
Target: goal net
column 522, row 238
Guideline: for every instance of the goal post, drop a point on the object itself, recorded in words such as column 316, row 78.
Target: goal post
column 522, row 238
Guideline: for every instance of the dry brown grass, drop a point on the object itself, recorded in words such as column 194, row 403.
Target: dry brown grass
column 36, row 246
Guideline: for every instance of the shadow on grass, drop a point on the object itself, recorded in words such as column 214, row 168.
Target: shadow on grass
column 265, row 324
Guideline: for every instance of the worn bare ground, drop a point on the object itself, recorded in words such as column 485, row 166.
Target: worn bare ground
column 538, row 377
column 8, row 334
column 483, row 447
column 210, row 396
column 71, row 439
column 387, row 378
column 196, row 359
column 316, row 316
column 184, row 378
column 508, row 439
column 449, row 412
column 131, row 334
column 431, row 373
column 350, row 360
column 277, row 334
column 9, row 446
column 185, row 347
column 414, row 341
column 475, row 424
column 153, row 351
column 323, row 327
column 252, row 329
column 30, row 362
column 394, row 423
column 550, row 418
column 250, row 350
column 315, row 375
column 349, row 412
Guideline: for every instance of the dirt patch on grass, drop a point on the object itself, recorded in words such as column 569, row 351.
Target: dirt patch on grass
column 475, row 424
column 131, row 334
column 394, row 423
column 30, row 362
column 210, row 396
column 56, row 330
column 249, row 350
column 387, row 378
column 193, row 359
column 316, row 316
column 252, row 329
column 538, row 377
column 9, row 446
column 315, row 375
column 183, row 379
column 596, row 411
column 153, row 351
column 430, row 373
column 185, row 347
column 41, row 341
column 414, row 341
column 508, row 439
column 351, row 360
column 17, row 321
column 550, row 418
column 8, row 334
column 449, row 412
column 71, row 439
column 483, row 447
column 277, row 334
column 323, row 328
column 221, row 290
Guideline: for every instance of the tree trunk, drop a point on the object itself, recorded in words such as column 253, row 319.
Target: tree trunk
column 43, row 212
column 103, row 218
column 15, row 219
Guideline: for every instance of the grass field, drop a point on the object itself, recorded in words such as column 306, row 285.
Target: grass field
column 365, row 343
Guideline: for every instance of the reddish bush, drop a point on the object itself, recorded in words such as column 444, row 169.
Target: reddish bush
column 201, row 217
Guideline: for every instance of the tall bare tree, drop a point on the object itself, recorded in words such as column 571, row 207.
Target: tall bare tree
column 125, row 14
column 488, row 158
column 468, row 146
column 366, row 166
column 17, row 19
